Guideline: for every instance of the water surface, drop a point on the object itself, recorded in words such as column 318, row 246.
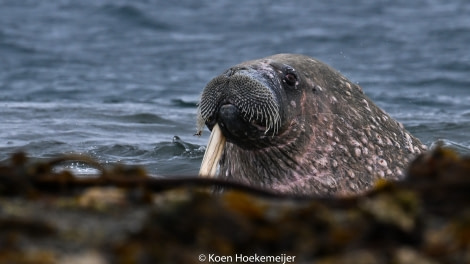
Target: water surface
column 118, row 80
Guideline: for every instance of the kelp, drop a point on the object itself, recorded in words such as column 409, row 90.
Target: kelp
column 123, row 215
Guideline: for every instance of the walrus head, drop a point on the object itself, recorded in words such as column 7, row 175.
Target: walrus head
column 293, row 124
column 248, row 102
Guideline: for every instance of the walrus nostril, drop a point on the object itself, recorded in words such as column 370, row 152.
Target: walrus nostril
column 230, row 72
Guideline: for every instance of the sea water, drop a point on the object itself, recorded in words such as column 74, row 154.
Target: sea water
column 120, row 80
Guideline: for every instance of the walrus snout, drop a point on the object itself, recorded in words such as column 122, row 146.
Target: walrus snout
column 243, row 101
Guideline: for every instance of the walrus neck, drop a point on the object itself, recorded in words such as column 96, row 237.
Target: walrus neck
column 268, row 166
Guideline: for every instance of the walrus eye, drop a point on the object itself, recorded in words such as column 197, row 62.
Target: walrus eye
column 290, row 78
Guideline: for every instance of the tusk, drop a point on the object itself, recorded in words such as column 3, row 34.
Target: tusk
column 214, row 150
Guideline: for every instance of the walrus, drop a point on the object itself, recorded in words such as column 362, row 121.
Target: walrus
column 292, row 124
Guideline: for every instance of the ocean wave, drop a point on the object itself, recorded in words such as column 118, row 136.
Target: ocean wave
column 133, row 15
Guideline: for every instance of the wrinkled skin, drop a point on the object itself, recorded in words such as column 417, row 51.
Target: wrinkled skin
column 295, row 125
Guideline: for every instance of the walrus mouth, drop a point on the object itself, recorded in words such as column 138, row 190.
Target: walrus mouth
column 243, row 102
column 241, row 106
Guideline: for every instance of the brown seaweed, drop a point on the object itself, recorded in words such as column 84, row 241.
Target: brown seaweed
column 122, row 215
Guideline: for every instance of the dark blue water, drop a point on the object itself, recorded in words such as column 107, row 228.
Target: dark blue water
column 118, row 80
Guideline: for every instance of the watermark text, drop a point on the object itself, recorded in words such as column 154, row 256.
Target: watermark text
column 240, row 258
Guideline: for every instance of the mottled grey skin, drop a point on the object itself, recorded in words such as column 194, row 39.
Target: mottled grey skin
column 324, row 136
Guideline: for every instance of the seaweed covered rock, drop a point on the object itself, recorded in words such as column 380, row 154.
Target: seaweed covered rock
column 124, row 216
